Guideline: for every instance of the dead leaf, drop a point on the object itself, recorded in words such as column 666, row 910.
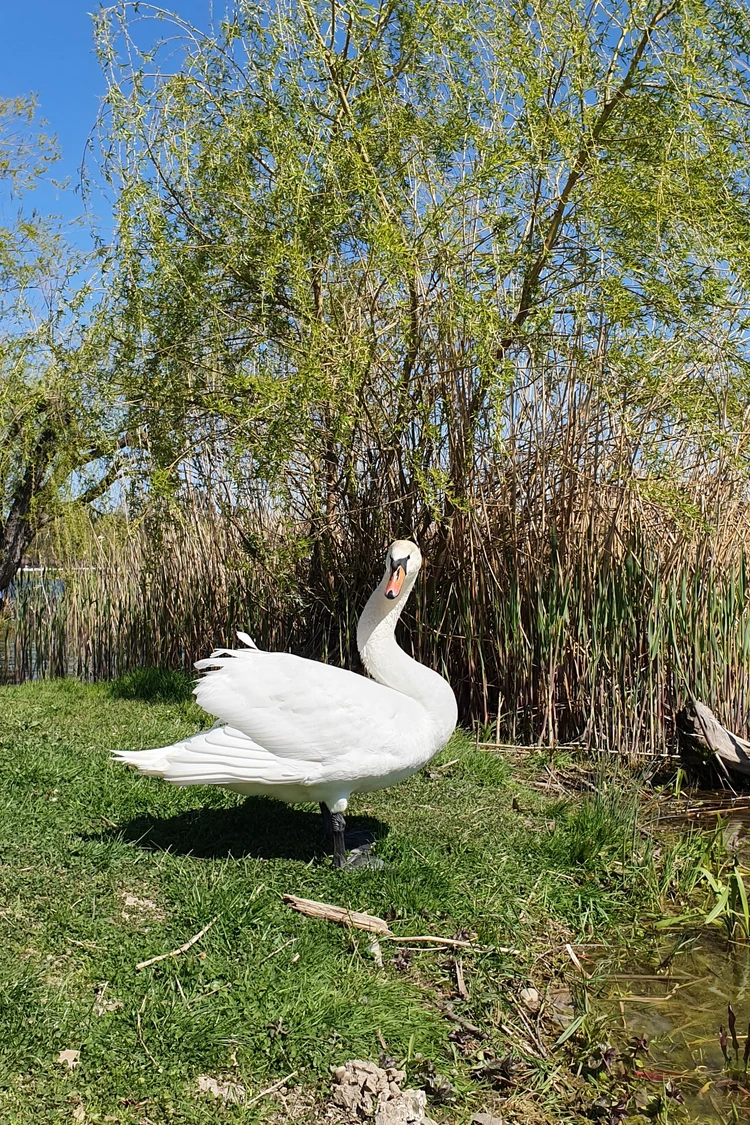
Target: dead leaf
column 376, row 951
column 71, row 1058
column 530, row 999
column 486, row 1119
column 227, row 1091
column 561, row 1003
column 79, row 1114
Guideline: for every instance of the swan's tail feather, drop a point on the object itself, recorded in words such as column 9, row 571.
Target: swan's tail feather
column 152, row 763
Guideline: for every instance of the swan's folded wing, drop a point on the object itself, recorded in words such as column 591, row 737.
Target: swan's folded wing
column 220, row 756
column 303, row 709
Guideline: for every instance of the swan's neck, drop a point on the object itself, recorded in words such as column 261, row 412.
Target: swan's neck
column 387, row 662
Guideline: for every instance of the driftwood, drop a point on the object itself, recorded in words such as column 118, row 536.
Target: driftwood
column 330, row 913
column 702, row 737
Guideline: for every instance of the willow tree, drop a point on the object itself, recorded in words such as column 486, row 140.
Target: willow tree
column 59, row 426
column 476, row 271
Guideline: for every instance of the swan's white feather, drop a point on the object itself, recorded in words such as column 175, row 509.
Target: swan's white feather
column 297, row 730
column 306, row 710
column 300, row 730
column 219, row 756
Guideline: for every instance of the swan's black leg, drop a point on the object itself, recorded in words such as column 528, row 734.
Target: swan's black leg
column 325, row 812
column 338, row 825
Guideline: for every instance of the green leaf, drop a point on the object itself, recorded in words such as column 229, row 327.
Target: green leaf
column 743, row 899
column 571, row 1029
column 720, row 906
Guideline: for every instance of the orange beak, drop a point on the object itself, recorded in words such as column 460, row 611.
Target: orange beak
column 395, row 582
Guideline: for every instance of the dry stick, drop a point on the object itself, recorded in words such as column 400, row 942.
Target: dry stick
column 532, row 1031
column 270, row 955
column 271, row 1089
column 460, row 982
column 429, row 939
column 454, row 942
column 447, row 1010
column 176, row 952
column 328, row 913
column 576, row 962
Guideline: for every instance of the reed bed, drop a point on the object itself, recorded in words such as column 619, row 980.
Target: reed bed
column 543, row 643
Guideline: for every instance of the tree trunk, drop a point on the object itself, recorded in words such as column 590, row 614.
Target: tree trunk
column 18, row 531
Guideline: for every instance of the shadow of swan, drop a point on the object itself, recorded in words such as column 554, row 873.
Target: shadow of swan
column 260, row 828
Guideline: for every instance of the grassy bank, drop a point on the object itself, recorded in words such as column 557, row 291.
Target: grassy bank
column 102, row 869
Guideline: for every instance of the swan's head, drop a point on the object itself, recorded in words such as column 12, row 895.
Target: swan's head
column 402, row 565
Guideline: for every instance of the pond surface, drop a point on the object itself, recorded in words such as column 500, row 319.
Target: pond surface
column 678, row 1003
column 678, row 998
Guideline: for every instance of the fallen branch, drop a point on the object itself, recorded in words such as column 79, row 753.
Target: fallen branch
column 328, row 913
column 176, row 952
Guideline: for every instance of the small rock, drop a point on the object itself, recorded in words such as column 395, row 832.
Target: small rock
column 362, row 1088
column 407, row 1109
column 486, row 1119
column 351, row 1099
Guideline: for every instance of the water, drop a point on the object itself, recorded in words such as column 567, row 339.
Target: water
column 677, row 997
column 35, row 592
column 679, row 1008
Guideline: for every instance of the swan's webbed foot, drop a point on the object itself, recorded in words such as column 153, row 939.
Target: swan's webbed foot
column 360, row 859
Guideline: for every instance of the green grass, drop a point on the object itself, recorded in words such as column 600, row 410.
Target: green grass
column 473, row 847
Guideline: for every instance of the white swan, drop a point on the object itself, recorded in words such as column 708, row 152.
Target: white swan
column 300, row 730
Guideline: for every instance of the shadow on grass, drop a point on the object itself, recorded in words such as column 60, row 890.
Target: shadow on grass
column 261, row 828
column 153, row 685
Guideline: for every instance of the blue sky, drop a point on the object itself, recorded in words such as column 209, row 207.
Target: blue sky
column 46, row 47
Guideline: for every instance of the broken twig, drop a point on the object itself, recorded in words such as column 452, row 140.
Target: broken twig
column 176, row 952
column 271, row 1089
column 447, row 1009
column 571, row 953
column 463, row 991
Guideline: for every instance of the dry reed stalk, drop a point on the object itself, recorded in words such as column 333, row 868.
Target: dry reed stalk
column 564, row 604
